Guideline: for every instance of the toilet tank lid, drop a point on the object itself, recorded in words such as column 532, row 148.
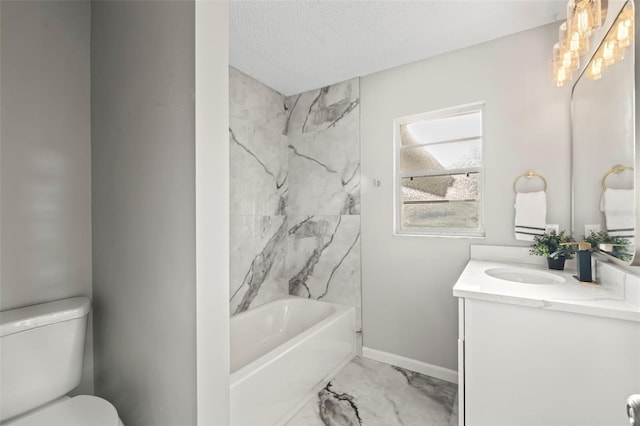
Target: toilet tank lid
column 22, row 319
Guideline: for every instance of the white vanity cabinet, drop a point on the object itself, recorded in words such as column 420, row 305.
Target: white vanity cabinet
column 531, row 366
column 543, row 355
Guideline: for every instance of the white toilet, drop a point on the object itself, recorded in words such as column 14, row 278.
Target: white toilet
column 41, row 352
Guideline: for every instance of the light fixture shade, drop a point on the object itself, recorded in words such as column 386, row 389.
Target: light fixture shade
column 594, row 70
column 565, row 58
column 624, row 30
column 561, row 75
column 583, row 16
column 610, row 52
column 580, row 17
column 598, row 16
column 571, row 40
column 571, row 11
column 561, row 71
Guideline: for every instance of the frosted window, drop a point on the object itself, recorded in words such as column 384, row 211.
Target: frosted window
column 440, row 201
column 463, row 126
column 439, row 173
column 442, row 156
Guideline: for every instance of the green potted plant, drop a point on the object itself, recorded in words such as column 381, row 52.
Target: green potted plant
column 550, row 246
column 615, row 246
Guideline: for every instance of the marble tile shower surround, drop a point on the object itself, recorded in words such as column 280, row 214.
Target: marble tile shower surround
column 258, row 148
column 295, row 193
column 323, row 259
column 258, row 244
column 324, row 151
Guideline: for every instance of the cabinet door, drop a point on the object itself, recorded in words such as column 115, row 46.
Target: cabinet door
column 527, row 366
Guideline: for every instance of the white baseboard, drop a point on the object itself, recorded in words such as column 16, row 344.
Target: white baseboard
column 411, row 364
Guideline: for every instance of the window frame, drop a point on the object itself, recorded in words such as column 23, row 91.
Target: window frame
column 478, row 232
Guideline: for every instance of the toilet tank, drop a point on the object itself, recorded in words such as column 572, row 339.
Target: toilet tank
column 41, row 353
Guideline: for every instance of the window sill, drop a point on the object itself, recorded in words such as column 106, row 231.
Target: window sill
column 474, row 236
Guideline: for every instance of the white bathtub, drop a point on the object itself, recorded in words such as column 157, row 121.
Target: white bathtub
column 282, row 353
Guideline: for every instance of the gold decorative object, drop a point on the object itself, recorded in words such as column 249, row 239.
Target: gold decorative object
column 617, row 169
column 529, row 175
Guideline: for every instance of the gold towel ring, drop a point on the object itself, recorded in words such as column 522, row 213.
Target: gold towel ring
column 617, row 169
column 529, row 175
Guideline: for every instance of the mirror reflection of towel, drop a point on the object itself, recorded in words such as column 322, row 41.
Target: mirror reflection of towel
column 618, row 207
column 531, row 215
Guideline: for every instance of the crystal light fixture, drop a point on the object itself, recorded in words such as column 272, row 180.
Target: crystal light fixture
column 573, row 41
column 583, row 16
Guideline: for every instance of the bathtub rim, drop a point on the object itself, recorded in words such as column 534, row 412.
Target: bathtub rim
column 239, row 376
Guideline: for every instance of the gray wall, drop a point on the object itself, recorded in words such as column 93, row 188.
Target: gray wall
column 143, row 206
column 45, row 166
column 408, row 308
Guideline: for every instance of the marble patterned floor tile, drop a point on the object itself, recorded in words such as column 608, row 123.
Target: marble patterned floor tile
column 454, row 421
column 371, row 393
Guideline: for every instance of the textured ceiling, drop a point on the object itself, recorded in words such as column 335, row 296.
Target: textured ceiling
column 295, row 46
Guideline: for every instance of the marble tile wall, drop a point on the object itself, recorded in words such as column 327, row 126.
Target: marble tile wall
column 323, row 256
column 295, row 193
column 324, row 150
column 258, row 155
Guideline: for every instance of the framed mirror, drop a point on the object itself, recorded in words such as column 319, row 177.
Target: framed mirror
column 605, row 163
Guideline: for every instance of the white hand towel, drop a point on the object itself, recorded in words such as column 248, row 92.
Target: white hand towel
column 618, row 207
column 531, row 215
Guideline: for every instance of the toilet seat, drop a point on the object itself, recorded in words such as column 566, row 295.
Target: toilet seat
column 80, row 410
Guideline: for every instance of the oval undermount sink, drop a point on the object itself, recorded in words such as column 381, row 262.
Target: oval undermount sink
column 525, row 276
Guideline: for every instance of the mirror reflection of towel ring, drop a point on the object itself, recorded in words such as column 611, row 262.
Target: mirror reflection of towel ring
column 529, row 175
column 617, row 169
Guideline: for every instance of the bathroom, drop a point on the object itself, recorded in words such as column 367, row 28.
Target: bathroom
column 118, row 211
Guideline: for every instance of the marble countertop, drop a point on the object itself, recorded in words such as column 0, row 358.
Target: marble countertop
column 617, row 297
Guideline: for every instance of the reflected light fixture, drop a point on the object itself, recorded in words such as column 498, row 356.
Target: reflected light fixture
column 613, row 46
column 583, row 16
column 594, row 71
